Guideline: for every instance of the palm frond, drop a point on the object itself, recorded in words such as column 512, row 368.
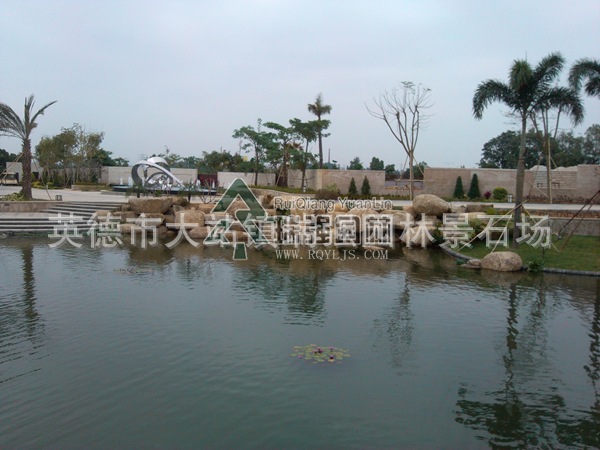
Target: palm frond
column 589, row 69
column 564, row 99
column 548, row 70
column 490, row 91
column 10, row 123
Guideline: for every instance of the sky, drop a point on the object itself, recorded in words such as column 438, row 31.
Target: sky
column 186, row 74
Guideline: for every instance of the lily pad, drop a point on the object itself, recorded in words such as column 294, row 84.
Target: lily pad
column 320, row 353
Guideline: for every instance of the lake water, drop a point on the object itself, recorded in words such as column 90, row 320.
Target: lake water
column 182, row 348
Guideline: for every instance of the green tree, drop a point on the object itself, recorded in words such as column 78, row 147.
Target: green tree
column 391, row 172
column 12, row 125
column 502, row 152
column 528, row 89
column 418, row 171
column 355, row 164
column 6, row 159
column 283, row 150
column 376, row 164
column 318, row 108
column 565, row 99
column 254, row 140
column 586, row 69
column 591, row 145
column 352, row 190
column 73, row 155
column 308, row 131
column 105, row 158
column 458, row 189
column 474, row 188
column 365, row 189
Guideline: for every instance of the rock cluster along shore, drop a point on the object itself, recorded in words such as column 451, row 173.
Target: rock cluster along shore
column 165, row 215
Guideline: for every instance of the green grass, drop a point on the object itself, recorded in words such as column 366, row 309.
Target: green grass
column 574, row 253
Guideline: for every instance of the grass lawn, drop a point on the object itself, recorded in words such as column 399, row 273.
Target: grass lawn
column 575, row 253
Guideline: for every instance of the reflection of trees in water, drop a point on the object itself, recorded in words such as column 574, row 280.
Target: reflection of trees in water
column 396, row 326
column 21, row 326
column 302, row 291
column 514, row 415
column 587, row 428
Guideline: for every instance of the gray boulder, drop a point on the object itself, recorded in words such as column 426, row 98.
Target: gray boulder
column 502, row 262
column 430, row 205
column 158, row 205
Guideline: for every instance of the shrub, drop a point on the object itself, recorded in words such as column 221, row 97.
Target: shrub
column 474, row 189
column 330, row 192
column 458, row 189
column 352, row 190
column 487, row 195
column 499, row 194
column 365, row 189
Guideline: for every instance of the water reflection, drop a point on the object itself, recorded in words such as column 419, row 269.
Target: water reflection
column 526, row 397
column 21, row 326
column 297, row 286
column 528, row 409
column 396, row 325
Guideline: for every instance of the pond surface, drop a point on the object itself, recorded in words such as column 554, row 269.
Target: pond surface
column 181, row 348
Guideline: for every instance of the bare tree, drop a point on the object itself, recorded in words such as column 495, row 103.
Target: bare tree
column 402, row 111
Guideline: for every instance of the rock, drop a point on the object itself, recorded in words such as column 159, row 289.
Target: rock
column 430, row 205
column 126, row 228
column 421, row 240
column 205, row 207
column 126, row 216
column 266, row 200
column 158, row 205
column 190, row 218
column 409, row 209
column 458, row 209
column 150, row 220
column 199, row 232
column 362, row 212
column 472, row 264
column 502, row 262
column 401, row 219
column 180, row 201
column 339, row 207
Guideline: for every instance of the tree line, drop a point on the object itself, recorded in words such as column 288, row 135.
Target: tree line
column 566, row 149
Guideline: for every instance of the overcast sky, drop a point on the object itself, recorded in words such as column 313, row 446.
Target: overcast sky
column 186, row 74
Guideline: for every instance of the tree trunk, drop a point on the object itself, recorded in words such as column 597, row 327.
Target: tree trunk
column 26, row 185
column 549, row 169
column 320, row 150
column 284, row 169
column 256, row 168
column 411, row 176
column 520, row 183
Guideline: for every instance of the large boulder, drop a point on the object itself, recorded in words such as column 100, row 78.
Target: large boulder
column 191, row 218
column 430, row 205
column 502, row 262
column 158, row 205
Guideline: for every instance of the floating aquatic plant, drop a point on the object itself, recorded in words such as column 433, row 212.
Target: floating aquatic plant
column 134, row 270
column 319, row 354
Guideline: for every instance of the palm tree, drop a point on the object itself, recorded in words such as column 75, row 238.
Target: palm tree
column 528, row 90
column 566, row 100
column 586, row 68
column 12, row 125
column 319, row 109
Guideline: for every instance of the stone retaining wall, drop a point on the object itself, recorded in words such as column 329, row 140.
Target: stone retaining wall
column 25, row 207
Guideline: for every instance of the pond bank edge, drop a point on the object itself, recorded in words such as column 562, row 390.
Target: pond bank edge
column 585, row 273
